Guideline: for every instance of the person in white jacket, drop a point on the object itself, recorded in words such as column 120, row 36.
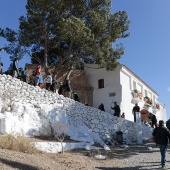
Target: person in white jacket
column 48, row 81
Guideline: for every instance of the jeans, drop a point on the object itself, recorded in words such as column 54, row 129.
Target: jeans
column 163, row 149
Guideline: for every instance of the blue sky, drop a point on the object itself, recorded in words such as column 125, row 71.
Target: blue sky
column 147, row 50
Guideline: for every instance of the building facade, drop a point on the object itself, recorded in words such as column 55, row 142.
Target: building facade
column 124, row 87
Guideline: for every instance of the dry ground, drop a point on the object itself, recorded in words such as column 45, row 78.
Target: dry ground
column 132, row 158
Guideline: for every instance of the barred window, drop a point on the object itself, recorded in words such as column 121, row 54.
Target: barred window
column 101, row 83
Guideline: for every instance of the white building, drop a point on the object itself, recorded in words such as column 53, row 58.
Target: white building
column 120, row 86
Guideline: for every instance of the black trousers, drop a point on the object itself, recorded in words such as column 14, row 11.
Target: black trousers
column 48, row 86
column 134, row 116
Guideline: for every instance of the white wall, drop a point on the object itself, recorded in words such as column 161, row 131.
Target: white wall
column 161, row 114
column 111, row 85
column 126, row 105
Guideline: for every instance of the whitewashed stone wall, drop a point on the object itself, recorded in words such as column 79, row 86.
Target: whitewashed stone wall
column 33, row 111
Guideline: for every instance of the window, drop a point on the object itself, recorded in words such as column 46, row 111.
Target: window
column 101, row 83
column 112, row 94
column 134, row 85
column 139, row 88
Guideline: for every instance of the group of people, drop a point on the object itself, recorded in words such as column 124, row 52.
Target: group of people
column 116, row 109
column 152, row 118
column 135, row 110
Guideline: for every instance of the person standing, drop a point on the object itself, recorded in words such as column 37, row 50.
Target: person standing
column 67, row 88
column 135, row 110
column 48, row 81
column 15, row 70
column 53, row 87
column 116, row 109
column 61, row 89
column 162, row 134
column 24, row 75
column 36, row 75
column 40, row 80
column 1, row 65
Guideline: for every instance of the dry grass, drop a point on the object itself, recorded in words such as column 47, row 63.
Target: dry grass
column 18, row 143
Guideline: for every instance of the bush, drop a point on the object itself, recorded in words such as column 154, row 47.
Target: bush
column 18, row 143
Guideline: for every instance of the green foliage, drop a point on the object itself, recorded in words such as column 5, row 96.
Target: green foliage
column 65, row 32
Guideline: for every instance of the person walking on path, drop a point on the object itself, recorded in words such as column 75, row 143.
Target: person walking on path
column 162, row 134
column 116, row 109
column 135, row 109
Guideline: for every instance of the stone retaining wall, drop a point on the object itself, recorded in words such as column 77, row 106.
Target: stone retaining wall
column 25, row 102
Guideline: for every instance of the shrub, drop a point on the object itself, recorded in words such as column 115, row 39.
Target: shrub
column 18, row 143
column 60, row 134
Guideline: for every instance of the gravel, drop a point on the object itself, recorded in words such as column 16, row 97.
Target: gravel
column 135, row 157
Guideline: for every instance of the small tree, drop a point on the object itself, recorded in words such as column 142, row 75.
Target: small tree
column 60, row 131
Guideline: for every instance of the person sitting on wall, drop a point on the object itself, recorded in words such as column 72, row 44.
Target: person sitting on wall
column 123, row 115
column 85, row 103
column 116, row 109
column 101, row 107
column 76, row 97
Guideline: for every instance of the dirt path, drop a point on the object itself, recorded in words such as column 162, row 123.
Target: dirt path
column 132, row 158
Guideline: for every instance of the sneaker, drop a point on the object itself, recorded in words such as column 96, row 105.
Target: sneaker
column 163, row 167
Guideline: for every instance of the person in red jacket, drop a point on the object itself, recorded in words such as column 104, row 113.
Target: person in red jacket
column 38, row 70
column 36, row 76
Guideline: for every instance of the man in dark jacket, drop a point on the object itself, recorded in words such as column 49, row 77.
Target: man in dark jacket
column 162, row 135
column 135, row 109
column 116, row 108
